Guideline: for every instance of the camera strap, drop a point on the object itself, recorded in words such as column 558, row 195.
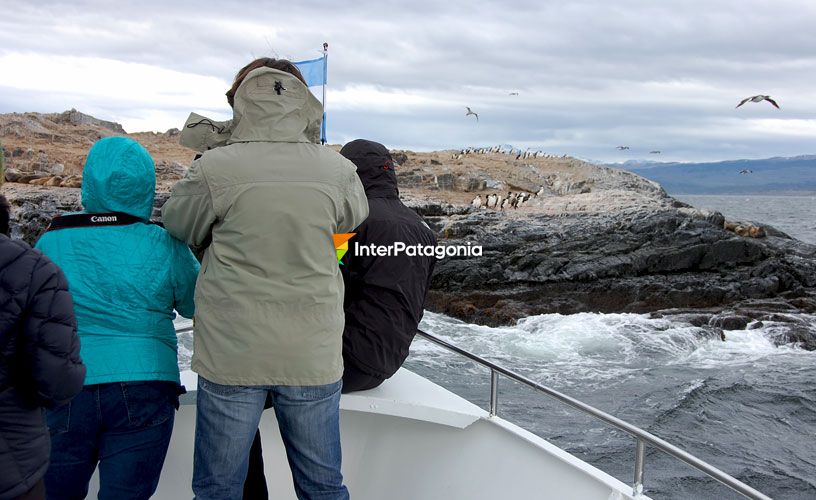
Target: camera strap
column 102, row 219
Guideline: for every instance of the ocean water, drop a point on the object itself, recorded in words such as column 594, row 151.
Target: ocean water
column 794, row 215
column 745, row 405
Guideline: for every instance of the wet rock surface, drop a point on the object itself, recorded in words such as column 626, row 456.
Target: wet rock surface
column 660, row 259
column 635, row 260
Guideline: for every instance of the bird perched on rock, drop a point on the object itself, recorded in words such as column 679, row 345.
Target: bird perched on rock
column 470, row 112
column 477, row 202
column 759, row 98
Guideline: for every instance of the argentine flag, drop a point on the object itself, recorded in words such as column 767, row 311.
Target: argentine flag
column 313, row 71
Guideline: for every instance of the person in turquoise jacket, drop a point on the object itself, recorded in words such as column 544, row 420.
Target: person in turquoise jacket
column 126, row 278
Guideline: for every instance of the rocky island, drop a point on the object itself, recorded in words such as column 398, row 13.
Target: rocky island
column 589, row 238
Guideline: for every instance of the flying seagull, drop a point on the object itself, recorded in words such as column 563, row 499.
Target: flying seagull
column 746, row 171
column 759, row 98
column 622, row 147
column 513, row 93
column 470, row 112
column 655, row 152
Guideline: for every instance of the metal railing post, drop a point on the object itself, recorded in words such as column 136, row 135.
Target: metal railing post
column 637, row 488
column 494, row 392
column 641, row 435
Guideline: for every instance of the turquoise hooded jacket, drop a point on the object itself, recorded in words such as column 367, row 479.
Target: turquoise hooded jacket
column 125, row 280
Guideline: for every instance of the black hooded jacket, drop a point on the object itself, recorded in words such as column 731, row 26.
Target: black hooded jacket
column 39, row 361
column 385, row 295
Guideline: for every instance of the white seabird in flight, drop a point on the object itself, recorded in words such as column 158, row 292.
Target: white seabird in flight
column 470, row 112
column 759, row 98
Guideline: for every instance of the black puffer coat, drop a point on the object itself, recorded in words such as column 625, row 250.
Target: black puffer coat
column 384, row 295
column 39, row 361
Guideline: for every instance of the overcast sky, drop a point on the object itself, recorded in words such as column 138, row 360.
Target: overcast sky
column 590, row 75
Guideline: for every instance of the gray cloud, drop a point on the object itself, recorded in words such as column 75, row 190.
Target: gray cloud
column 590, row 74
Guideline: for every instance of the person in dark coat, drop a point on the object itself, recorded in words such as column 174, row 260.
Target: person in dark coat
column 385, row 295
column 40, row 365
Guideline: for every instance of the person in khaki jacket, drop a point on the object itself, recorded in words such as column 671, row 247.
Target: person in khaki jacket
column 265, row 200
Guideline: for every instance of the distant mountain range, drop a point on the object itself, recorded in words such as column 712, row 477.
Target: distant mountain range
column 771, row 175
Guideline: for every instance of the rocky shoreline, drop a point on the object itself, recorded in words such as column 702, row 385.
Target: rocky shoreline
column 595, row 239
column 639, row 260
column 667, row 260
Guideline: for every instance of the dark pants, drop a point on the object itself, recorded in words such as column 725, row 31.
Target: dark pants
column 35, row 493
column 124, row 427
column 255, row 484
column 356, row 380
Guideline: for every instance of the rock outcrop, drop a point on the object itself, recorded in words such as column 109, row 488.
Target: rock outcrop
column 50, row 149
column 590, row 238
column 631, row 260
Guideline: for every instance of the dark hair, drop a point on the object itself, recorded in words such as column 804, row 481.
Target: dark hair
column 262, row 62
column 5, row 213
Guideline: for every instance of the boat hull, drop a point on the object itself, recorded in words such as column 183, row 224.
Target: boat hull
column 410, row 439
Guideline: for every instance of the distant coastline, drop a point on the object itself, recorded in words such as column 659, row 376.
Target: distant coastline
column 772, row 176
column 804, row 194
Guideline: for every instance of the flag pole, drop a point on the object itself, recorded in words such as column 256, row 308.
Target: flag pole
column 325, row 82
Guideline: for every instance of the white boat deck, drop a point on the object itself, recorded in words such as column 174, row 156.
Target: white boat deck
column 410, row 439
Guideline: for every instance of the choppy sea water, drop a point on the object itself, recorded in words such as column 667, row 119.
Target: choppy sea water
column 795, row 214
column 744, row 405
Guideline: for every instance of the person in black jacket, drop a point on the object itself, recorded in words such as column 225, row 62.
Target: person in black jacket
column 384, row 294
column 40, row 365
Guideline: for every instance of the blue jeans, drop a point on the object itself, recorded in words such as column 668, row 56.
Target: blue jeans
column 125, row 427
column 226, row 421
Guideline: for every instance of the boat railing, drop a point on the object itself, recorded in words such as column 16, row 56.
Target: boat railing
column 641, row 436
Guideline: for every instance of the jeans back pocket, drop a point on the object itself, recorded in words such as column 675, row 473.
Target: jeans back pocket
column 148, row 403
column 59, row 419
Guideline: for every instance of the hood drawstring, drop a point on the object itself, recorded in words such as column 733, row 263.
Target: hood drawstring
column 207, row 121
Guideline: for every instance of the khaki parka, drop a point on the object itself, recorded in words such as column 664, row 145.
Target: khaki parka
column 265, row 200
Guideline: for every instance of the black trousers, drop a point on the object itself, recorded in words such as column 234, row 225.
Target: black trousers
column 35, row 493
column 355, row 380
column 255, row 483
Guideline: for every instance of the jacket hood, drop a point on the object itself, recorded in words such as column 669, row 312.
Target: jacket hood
column 274, row 106
column 375, row 167
column 201, row 133
column 119, row 176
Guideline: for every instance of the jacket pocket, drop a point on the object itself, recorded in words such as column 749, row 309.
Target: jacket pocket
column 148, row 403
column 59, row 419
